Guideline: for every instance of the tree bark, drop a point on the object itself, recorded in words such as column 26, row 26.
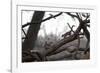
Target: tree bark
column 32, row 32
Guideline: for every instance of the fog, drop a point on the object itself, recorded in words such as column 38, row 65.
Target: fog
column 55, row 26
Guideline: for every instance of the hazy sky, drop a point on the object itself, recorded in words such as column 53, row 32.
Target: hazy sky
column 56, row 26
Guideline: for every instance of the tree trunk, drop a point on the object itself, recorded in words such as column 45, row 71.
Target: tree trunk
column 32, row 32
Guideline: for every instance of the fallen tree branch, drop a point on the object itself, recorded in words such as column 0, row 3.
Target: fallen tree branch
column 63, row 41
column 69, row 39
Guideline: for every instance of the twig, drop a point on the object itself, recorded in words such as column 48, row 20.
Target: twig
column 24, row 33
column 71, row 28
column 72, row 15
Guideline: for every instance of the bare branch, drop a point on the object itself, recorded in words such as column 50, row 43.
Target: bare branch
column 79, row 17
column 69, row 32
column 24, row 33
column 74, row 16
column 48, row 18
column 71, row 28
column 63, row 41
column 87, row 25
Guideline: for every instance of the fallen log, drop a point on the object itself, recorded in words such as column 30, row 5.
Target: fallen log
column 63, row 41
column 70, row 49
column 59, row 56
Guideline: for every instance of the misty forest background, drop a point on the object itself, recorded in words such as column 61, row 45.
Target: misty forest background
column 52, row 36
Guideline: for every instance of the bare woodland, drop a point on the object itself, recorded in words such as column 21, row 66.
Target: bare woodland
column 51, row 48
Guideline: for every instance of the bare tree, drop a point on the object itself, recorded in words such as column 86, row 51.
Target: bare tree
column 53, row 49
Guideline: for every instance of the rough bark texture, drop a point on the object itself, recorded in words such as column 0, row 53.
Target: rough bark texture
column 28, row 43
column 32, row 32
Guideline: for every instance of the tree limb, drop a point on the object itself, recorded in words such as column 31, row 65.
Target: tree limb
column 48, row 18
column 63, row 41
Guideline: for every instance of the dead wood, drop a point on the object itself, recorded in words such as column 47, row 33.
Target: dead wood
column 63, row 41
column 59, row 56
